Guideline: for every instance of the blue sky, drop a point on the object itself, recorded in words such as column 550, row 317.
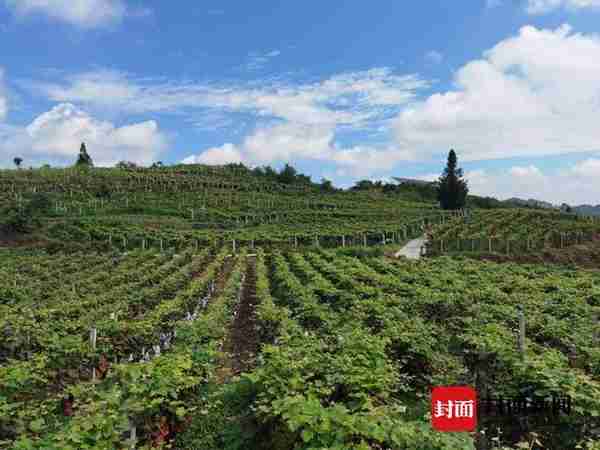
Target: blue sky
column 341, row 89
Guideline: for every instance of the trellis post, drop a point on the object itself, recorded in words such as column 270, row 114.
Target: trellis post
column 93, row 338
column 132, row 435
column 521, row 331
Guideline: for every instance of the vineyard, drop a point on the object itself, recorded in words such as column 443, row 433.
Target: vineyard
column 511, row 231
column 207, row 308
column 182, row 207
column 337, row 348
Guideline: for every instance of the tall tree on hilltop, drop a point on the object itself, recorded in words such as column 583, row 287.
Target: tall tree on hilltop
column 452, row 188
column 287, row 175
column 18, row 161
column 84, row 159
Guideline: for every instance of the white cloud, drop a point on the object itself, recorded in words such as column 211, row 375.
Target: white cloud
column 295, row 120
column 350, row 99
column 579, row 183
column 590, row 168
column 534, row 94
column 545, row 6
column 257, row 61
column 286, row 142
column 225, row 154
column 81, row 13
column 434, row 57
column 3, row 97
column 55, row 137
column 280, row 142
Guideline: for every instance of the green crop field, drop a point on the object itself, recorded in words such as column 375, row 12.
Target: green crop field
column 516, row 231
column 207, row 308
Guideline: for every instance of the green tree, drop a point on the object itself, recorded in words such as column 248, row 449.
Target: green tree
column 452, row 188
column 363, row 185
column 270, row 173
column 287, row 175
column 566, row 208
column 326, row 185
column 24, row 217
column 126, row 165
column 84, row 159
column 18, row 161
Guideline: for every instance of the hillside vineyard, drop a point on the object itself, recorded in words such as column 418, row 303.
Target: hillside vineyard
column 207, row 308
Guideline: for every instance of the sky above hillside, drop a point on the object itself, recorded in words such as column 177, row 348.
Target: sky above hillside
column 343, row 89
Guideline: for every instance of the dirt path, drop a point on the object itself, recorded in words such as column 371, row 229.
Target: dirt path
column 242, row 341
column 412, row 250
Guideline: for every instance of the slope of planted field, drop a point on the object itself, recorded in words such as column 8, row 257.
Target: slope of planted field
column 511, row 231
column 95, row 347
column 198, row 205
column 332, row 349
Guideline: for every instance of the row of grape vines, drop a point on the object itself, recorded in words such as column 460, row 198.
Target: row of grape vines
column 111, row 350
column 511, row 232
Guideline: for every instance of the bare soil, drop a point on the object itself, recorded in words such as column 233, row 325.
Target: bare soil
column 242, row 342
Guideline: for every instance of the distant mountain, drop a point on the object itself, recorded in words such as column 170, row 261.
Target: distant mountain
column 587, row 210
column 584, row 210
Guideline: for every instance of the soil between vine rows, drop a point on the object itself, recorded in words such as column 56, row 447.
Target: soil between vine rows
column 241, row 343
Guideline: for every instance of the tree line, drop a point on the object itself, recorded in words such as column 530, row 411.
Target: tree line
column 450, row 190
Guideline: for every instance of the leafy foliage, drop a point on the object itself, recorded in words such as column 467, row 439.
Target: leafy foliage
column 452, row 189
column 84, row 159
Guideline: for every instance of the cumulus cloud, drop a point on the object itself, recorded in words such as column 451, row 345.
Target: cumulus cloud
column 295, row 120
column 287, row 141
column 81, row 13
column 55, row 137
column 280, row 142
column 227, row 153
column 545, row 6
column 534, row 94
column 579, row 183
